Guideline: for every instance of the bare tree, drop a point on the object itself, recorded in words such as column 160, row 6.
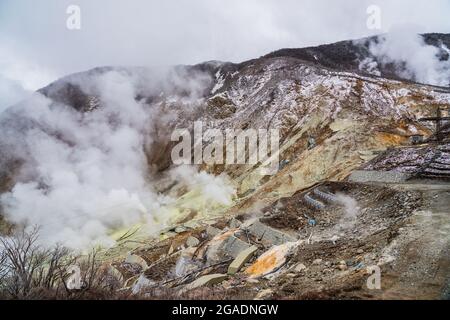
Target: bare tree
column 28, row 270
column 3, row 268
column 25, row 265
column 97, row 281
column 22, row 260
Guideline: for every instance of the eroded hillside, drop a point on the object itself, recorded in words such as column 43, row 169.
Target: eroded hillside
column 305, row 231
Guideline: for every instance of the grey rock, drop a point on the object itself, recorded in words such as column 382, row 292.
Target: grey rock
column 229, row 247
column 317, row 261
column 212, row 231
column 192, row 241
column 180, row 229
column 234, row 223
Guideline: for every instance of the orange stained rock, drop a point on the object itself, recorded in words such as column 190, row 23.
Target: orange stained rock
column 263, row 265
column 270, row 261
column 390, row 139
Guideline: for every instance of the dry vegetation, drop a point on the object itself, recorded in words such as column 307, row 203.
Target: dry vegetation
column 30, row 271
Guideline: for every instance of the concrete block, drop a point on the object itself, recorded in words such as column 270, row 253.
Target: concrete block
column 313, row 203
column 223, row 246
column 208, row 280
column 268, row 234
column 242, row 258
column 363, row 176
column 234, row 246
column 212, row 231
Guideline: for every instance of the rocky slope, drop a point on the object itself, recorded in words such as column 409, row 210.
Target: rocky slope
column 305, row 93
column 317, row 93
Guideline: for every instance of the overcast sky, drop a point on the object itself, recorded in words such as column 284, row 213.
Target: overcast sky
column 36, row 47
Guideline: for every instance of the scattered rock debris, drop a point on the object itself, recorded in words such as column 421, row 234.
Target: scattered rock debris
column 249, row 255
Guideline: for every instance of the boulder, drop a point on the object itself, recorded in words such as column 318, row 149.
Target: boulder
column 192, row 241
column 246, row 224
column 180, row 229
column 233, row 246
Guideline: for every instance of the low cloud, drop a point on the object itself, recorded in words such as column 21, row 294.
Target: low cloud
column 412, row 58
column 11, row 92
column 154, row 32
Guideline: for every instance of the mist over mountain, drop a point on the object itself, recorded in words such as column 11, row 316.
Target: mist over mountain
column 363, row 56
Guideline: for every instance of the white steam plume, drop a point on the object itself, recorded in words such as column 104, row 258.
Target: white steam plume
column 412, row 57
column 85, row 174
column 213, row 188
column 351, row 211
column 11, row 92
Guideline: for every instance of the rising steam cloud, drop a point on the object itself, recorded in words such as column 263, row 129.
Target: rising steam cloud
column 351, row 212
column 84, row 174
column 213, row 188
column 411, row 57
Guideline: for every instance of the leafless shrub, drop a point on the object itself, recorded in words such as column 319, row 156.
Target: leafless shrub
column 97, row 281
column 26, row 265
column 29, row 271
column 3, row 268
